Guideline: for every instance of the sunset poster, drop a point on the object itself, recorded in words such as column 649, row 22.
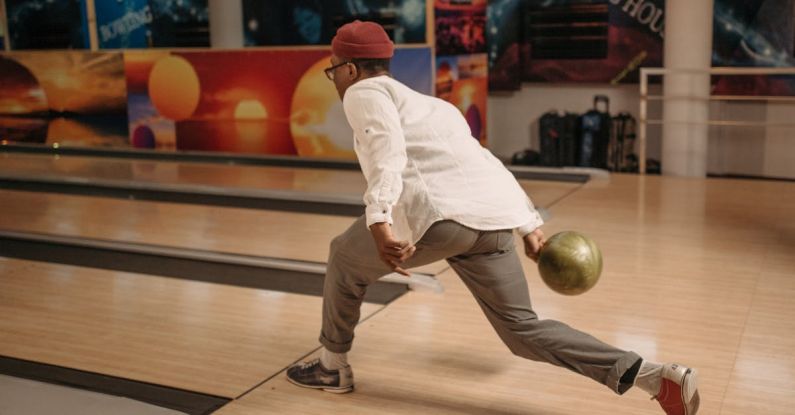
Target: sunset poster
column 63, row 97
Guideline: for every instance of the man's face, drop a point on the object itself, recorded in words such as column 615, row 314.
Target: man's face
column 342, row 73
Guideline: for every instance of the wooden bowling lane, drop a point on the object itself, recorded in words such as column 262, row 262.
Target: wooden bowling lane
column 215, row 339
column 300, row 236
column 696, row 271
column 231, row 230
column 323, row 182
column 334, row 182
column 274, row 234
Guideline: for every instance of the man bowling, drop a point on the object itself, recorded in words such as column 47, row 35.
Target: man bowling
column 434, row 193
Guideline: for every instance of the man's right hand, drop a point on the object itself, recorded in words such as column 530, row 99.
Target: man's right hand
column 533, row 242
column 390, row 250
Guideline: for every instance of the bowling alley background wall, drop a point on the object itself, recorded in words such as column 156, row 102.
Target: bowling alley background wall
column 746, row 33
column 558, row 54
column 147, row 77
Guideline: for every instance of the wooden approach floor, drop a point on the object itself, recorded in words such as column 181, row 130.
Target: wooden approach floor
column 696, row 271
column 215, row 339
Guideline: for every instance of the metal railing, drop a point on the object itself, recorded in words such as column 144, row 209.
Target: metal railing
column 644, row 120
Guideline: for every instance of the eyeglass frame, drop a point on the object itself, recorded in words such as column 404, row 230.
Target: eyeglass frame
column 330, row 70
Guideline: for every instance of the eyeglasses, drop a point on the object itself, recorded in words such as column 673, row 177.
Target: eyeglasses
column 330, row 70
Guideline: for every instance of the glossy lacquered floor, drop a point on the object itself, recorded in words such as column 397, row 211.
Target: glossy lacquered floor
column 701, row 272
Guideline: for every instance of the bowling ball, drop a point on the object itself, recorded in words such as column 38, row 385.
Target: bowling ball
column 570, row 263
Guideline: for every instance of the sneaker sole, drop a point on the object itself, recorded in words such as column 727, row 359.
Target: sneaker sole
column 690, row 394
column 346, row 389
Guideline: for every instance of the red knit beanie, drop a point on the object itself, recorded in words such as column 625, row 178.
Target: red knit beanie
column 362, row 40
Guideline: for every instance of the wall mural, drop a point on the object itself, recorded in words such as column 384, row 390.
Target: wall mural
column 314, row 22
column 758, row 33
column 503, row 37
column 47, row 24
column 152, row 23
column 247, row 101
column 461, row 59
column 66, row 97
column 600, row 41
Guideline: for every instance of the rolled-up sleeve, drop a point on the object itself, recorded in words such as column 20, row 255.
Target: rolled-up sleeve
column 535, row 222
column 380, row 147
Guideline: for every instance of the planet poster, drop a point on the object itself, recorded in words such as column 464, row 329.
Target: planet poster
column 758, row 33
column 252, row 101
column 148, row 127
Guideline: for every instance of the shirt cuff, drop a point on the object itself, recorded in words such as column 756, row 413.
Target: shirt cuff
column 378, row 213
column 530, row 226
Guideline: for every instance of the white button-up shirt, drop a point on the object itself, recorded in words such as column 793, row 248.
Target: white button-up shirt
column 422, row 164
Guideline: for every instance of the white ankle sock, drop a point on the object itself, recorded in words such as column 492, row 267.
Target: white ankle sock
column 649, row 377
column 333, row 361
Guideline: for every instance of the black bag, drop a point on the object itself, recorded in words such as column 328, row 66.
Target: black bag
column 622, row 143
column 526, row 158
column 569, row 140
column 558, row 139
column 548, row 134
column 595, row 135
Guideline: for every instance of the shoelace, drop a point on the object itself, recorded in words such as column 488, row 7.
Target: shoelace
column 309, row 364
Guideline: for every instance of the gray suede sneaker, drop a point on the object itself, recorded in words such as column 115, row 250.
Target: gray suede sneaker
column 313, row 375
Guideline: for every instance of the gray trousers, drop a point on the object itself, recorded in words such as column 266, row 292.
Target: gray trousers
column 487, row 263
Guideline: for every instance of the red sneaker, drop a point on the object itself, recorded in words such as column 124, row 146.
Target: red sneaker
column 678, row 390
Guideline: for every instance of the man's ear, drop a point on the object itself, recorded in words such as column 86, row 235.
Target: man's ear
column 353, row 71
